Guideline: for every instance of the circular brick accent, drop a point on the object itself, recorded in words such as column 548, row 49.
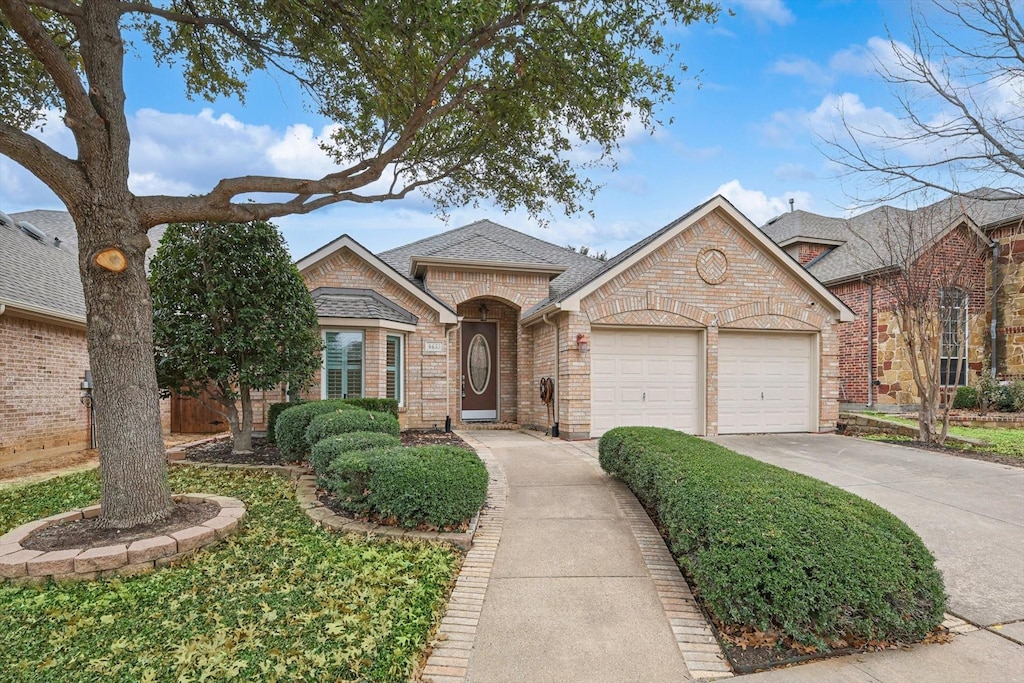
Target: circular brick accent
column 712, row 266
column 139, row 557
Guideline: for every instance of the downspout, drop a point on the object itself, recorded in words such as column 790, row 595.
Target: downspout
column 871, row 344
column 558, row 392
column 448, row 376
column 994, row 362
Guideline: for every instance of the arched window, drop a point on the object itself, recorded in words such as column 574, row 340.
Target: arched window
column 953, row 355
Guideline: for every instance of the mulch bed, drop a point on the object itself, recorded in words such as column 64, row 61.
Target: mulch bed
column 997, row 458
column 415, row 437
column 87, row 533
column 263, row 453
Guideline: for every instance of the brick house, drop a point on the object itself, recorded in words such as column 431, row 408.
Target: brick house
column 705, row 326
column 43, row 350
column 979, row 233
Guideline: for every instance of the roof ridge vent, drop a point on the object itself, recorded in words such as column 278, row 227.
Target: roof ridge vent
column 6, row 220
column 32, row 231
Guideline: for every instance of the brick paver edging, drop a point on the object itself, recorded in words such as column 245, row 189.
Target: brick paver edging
column 697, row 643
column 22, row 565
column 453, row 640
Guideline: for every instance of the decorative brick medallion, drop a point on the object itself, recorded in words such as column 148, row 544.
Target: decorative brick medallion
column 712, row 266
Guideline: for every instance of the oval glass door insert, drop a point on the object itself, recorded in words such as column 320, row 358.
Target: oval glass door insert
column 479, row 361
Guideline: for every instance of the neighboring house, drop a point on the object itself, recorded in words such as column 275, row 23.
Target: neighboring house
column 980, row 231
column 43, row 350
column 705, row 326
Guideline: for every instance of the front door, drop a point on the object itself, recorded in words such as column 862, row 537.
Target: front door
column 479, row 371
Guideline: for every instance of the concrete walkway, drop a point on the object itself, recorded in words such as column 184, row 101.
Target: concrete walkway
column 969, row 513
column 570, row 596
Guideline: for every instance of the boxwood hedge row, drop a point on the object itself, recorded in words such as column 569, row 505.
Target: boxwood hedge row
column 291, row 425
column 347, row 421
column 777, row 550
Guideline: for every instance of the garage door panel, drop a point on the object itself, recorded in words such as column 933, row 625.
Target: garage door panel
column 652, row 375
column 765, row 383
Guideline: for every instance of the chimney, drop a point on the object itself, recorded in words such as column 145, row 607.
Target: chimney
column 791, row 202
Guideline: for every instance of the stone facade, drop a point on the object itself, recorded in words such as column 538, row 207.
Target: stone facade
column 1010, row 302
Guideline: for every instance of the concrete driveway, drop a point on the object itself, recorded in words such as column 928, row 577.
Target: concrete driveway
column 969, row 513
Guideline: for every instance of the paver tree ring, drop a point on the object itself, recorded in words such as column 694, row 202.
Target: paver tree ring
column 712, row 265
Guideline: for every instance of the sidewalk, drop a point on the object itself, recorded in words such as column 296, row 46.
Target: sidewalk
column 571, row 596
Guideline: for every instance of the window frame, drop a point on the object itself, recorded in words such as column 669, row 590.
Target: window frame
column 946, row 361
column 362, row 359
column 399, row 369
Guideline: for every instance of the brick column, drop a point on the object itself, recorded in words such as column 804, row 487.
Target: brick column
column 711, row 381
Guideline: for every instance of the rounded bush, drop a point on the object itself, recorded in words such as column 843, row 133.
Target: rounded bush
column 437, row 485
column 348, row 477
column 966, row 398
column 291, row 425
column 772, row 549
column 347, row 421
column 273, row 412
column 326, row 451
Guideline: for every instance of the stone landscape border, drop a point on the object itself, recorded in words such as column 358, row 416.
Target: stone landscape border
column 22, row 565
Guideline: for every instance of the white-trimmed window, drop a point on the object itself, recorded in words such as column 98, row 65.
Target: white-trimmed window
column 393, row 368
column 343, row 364
column 953, row 357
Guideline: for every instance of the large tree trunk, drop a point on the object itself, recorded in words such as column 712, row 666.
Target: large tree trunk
column 241, row 425
column 133, row 463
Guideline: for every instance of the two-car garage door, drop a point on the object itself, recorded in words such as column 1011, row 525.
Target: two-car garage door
column 766, row 381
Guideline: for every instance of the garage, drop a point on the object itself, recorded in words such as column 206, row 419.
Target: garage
column 647, row 378
column 766, row 382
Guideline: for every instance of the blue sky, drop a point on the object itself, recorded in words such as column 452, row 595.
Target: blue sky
column 773, row 79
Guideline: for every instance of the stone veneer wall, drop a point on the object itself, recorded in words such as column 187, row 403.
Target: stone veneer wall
column 1010, row 301
column 664, row 289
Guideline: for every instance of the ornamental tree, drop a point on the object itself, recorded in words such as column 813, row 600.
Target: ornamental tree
column 230, row 314
column 461, row 99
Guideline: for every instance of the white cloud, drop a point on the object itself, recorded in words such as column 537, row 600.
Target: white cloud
column 759, row 207
column 766, row 11
column 804, row 68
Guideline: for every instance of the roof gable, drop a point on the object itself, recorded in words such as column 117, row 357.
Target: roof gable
column 571, row 300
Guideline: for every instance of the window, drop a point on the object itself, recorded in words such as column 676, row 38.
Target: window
column 953, row 356
column 393, row 368
column 343, row 365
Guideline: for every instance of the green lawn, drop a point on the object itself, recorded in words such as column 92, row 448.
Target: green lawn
column 1003, row 441
column 281, row 601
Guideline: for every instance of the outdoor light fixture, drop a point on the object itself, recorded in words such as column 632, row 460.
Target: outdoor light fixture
column 483, row 313
column 86, row 399
column 582, row 342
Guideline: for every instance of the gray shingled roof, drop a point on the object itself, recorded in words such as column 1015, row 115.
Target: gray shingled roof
column 864, row 236
column 39, row 274
column 487, row 241
column 343, row 302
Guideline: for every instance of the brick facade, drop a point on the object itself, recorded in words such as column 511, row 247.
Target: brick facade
column 663, row 289
column 41, row 370
column 805, row 252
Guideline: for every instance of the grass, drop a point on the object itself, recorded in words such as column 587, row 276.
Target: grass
column 1002, row 441
column 282, row 600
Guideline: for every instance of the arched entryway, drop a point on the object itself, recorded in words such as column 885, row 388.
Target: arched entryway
column 487, row 362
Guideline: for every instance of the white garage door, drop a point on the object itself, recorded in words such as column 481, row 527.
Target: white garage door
column 765, row 383
column 644, row 378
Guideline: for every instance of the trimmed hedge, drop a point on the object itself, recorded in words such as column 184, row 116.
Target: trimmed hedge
column 966, row 398
column 325, row 452
column 442, row 486
column 273, row 412
column 349, row 420
column 376, row 405
column 291, row 425
column 773, row 549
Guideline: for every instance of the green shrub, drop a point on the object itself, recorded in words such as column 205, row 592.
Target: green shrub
column 376, row 405
column 273, row 412
column 290, row 427
column 437, row 485
column 325, row 451
column 1015, row 394
column 966, row 398
column 350, row 420
column 776, row 550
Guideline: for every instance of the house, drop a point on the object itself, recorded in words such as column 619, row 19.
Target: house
column 43, row 350
column 980, row 233
column 706, row 326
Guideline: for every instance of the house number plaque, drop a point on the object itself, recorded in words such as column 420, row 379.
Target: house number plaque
column 433, row 348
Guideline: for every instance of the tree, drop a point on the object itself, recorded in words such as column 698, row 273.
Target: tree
column 230, row 314
column 463, row 100
column 960, row 94
column 926, row 264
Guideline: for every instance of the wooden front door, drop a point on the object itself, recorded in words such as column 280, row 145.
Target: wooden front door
column 479, row 371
